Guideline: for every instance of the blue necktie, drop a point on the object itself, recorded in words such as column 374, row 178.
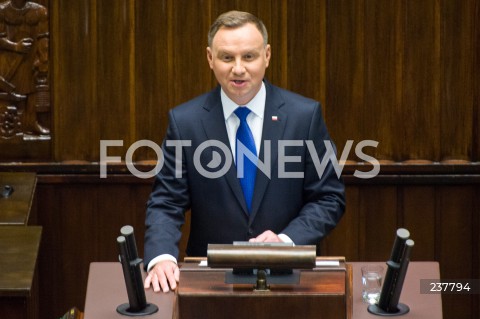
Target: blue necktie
column 244, row 136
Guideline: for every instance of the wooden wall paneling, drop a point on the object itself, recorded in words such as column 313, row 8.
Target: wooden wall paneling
column 74, row 39
column 119, row 67
column 346, row 238
column 47, row 202
column 378, row 219
column 455, row 211
column 153, row 70
column 306, row 41
column 255, row 7
column 217, row 7
column 381, row 79
column 191, row 74
column 398, row 142
column 114, row 100
column 62, row 261
column 345, row 70
column 476, row 84
column 322, row 56
column 476, row 247
column 277, row 25
column 77, row 211
column 418, row 206
column 83, row 221
column 115, row 214
column 421, row 106
column 330, row 50
column 92, row 47
column 457, row 74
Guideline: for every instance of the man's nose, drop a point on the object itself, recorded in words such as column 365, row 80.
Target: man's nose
column 238, row 68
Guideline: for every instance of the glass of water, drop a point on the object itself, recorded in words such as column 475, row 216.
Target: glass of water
column 372, row 276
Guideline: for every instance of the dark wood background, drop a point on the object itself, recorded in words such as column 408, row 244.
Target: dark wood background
column 404, row 73
column 401, row 72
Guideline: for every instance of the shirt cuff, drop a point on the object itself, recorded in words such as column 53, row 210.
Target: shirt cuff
column 286, row 239
column 160, row 258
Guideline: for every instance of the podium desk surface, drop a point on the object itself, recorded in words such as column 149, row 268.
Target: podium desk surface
column 106, row 291
column 421, row 305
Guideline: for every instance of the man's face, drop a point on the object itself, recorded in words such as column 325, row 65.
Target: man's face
column 239, row 58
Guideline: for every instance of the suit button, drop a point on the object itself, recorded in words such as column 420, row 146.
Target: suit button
column 250, row 232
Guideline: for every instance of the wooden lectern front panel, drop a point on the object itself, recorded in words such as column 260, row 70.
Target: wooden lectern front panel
column 203, row 294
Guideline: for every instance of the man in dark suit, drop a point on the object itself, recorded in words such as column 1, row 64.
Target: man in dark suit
column 286, row 199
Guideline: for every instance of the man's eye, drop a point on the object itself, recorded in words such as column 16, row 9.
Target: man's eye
column 227, row 58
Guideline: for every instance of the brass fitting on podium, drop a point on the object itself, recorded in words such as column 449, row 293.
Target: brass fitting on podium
column 261, row 285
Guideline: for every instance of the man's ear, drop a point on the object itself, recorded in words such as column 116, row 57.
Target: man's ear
column 268, row 54
column 210, row 57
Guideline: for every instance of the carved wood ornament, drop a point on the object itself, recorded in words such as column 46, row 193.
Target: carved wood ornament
column 24, row 72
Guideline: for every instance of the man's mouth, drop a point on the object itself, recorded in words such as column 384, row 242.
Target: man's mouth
column 238, row 82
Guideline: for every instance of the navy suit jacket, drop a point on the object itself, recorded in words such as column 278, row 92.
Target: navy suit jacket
column 305, row 209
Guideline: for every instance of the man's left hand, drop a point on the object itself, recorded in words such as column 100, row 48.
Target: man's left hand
column 266, row 236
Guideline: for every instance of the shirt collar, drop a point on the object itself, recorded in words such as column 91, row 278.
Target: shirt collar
column 256, row 105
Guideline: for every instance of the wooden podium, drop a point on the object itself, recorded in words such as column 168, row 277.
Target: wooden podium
column 106, row 290
column 321, row 293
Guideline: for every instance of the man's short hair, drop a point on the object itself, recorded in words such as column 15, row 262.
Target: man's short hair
column 236, row 19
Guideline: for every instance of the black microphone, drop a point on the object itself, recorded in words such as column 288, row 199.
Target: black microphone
column 393, row 304
column 388, row 304
column 137, row 303
column 399, row 245
column 127, row 232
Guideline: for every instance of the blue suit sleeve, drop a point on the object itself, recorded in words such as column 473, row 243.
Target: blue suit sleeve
column 168, row 202
column 324, row 195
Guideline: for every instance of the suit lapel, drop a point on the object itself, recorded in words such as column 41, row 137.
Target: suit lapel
column 274, row 121
column 214, row 130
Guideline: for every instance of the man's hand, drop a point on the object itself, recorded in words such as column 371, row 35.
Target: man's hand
column 266, row 236
column 164, row 275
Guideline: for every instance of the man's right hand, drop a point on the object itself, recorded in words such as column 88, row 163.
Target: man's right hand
column 163, row 276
